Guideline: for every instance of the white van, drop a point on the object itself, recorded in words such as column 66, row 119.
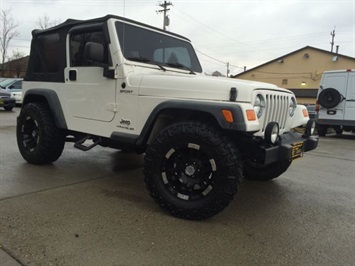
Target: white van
column 336, row 102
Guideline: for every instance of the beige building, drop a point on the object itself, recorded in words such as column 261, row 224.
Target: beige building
column 299, row 71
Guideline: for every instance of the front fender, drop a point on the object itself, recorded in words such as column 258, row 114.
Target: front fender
column 299, row 116
column 211, row 108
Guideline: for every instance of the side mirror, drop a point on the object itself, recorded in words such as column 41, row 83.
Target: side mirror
column 110, row 73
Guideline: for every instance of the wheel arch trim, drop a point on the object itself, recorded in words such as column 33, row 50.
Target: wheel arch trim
column 212, row 109
column 52, row 99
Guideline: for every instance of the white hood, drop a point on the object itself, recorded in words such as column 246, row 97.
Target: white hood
column 198, row 86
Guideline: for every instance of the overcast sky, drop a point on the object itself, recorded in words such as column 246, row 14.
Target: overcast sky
column 243, row 33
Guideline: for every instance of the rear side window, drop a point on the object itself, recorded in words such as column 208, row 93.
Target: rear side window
column 48, row 53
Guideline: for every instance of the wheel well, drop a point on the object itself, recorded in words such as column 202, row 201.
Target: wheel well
column 171, row 116
column 50, row 98
column 35, row 98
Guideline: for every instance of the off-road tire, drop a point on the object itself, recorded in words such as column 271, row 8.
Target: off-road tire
column 339, row 131
column 322, row 130
column 192, row 171
column 8, row 108
column 259, row 172
column 38, row 138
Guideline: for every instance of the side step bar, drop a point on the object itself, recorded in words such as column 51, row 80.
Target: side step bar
column 80, row 144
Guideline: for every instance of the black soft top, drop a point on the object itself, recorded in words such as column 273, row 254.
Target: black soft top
column 69, row 23
column 48, row 47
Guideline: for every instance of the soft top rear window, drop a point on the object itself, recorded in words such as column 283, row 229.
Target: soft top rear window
column 48, row 48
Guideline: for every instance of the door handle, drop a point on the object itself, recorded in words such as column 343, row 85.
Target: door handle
column 72, row 75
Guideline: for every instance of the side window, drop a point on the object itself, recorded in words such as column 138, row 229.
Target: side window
column 89, row 49
column 48, row 53
column 17, row 85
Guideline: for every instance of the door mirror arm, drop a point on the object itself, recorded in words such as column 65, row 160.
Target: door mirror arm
column 109, row 73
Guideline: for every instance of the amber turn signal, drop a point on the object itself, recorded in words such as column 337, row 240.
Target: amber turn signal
column 251, row 116
column 228, row 116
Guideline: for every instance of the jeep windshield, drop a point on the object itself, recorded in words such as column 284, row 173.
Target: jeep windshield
column 152, row 47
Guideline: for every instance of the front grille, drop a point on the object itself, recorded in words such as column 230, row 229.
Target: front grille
column 276, row 110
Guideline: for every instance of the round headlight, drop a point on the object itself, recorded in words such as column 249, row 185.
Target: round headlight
column 259, row 105
column 292, row 106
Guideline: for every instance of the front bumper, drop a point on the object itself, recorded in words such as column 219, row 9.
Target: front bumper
column 290, row 146
column 7, row 102
column 18, row 99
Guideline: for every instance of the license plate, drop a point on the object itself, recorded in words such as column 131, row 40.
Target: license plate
column 297, row 150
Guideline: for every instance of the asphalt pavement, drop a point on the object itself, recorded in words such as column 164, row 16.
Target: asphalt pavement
column 91, row 208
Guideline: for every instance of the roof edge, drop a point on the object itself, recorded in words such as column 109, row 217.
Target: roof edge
column 296, row 51
column 73, row 22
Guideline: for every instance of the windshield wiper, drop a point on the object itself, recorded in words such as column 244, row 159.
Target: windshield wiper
column 178, row 65
column 146, row 60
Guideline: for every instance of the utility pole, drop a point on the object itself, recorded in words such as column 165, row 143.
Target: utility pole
column 332, row 33
column 166, row 20
column 227, row 69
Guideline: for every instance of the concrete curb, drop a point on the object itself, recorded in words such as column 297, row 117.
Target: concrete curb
column 7, row 260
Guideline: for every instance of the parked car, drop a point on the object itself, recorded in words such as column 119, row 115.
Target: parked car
column 200, row 134
column 311, row 111
column 6, row 101
column 14, row 86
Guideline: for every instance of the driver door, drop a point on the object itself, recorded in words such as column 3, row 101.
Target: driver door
column 88, row 93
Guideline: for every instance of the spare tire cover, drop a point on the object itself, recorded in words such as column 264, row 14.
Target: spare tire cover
column 329, row 98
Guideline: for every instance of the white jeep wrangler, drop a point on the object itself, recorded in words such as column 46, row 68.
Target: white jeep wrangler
column 122, row 84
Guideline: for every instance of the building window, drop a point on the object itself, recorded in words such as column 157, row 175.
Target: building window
column 284, row 82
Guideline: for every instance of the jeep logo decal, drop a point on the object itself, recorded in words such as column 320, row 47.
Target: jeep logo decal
column 125, row 122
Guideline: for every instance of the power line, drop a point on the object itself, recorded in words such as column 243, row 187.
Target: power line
column 215, row 31
column 227, row 64
column 215, row 59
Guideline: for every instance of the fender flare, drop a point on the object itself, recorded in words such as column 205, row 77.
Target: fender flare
column 51, row 97
column 213, row 109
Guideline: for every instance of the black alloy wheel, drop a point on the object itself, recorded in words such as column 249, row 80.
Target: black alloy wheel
column 192, row 171
column 189, row 172
column 38, row 138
